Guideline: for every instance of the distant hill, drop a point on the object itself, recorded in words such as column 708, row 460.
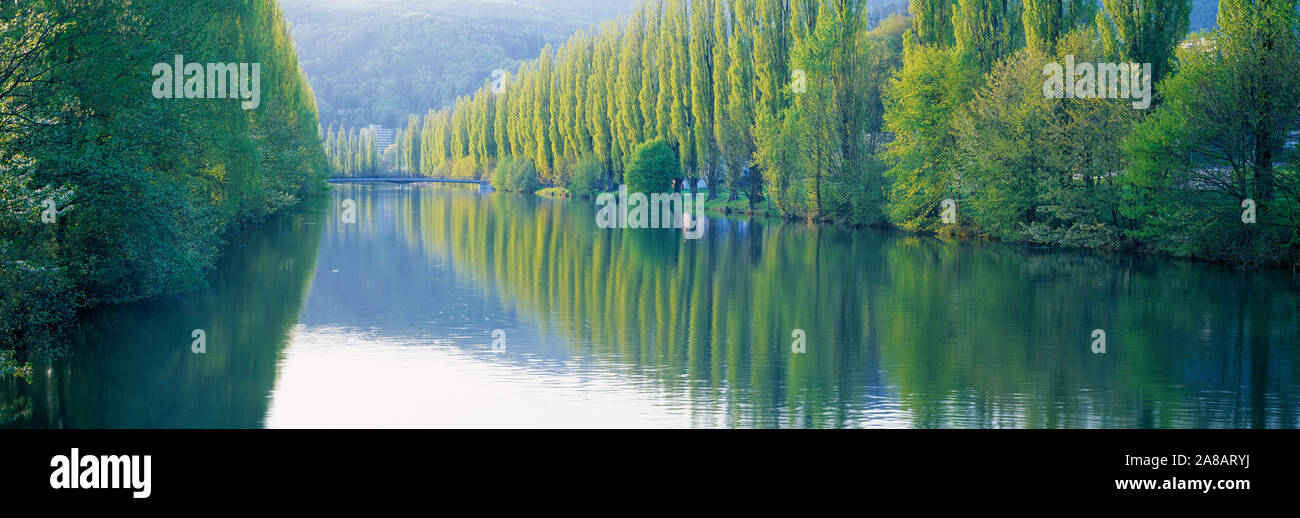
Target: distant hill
column 378, row 61
column 1204, row 14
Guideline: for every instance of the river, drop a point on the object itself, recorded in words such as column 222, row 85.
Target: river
column 445, row 306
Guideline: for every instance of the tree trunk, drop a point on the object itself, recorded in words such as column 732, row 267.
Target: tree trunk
column 1263, row 166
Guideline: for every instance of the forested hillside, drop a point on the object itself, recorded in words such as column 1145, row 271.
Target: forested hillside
column 811, row 107
column 376, row 62
column 1204, row 13
column 109, row 194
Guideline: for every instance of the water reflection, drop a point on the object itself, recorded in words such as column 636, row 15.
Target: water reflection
column 644, row 328
column 132, row 365
column 901, row 331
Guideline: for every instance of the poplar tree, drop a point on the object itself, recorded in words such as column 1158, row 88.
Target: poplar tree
column 411, row 146
column 738, row 145
column 932, row 21
column 430, row 157
column 612, row 74
column 350, row 157
column 341, row 152
column 372, row 154
column 1144, row 31
column 1045, row 21
column 542, row 115
column 629, row 87
column 719, row 49
column 987, row 30
column 329, row 142
column 680, row 87
column 771, row 50
column 597, row 105
column 771, row 80
column 500, row 113
column 657, row 74
column 702, row 91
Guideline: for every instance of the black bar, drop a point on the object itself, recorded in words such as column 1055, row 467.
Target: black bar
column 248, row 466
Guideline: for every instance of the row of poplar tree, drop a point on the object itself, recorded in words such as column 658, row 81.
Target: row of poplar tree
column 352, row 154
column 699, row 74
column 830, row 113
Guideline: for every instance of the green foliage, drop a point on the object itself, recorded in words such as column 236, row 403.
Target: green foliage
column 1003, row 138
column 588, row 177
column 9, row 366
column 1037, row 169
column 782, row 160
column 888, row 123
column 352, row 153
column 932, row 21
column 697, row 74
column 987, row 30
column 1046, row 21
column 653, row 168
column 702, row 61
column 820, row 156
column 466, row 169
column 411, row 147
column 515, row 174
column 736, row 122
column 34, row 310
column 1216, row 141
column 145, row 188
column 921, row 104
column 1144, row 31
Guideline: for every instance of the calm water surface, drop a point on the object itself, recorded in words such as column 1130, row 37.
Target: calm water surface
column 388, row 322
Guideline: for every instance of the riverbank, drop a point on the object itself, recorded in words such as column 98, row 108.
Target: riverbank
column 719, row 205
column 38, row 317
column 901, row 331
column 742, row 206
column 133, row 203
